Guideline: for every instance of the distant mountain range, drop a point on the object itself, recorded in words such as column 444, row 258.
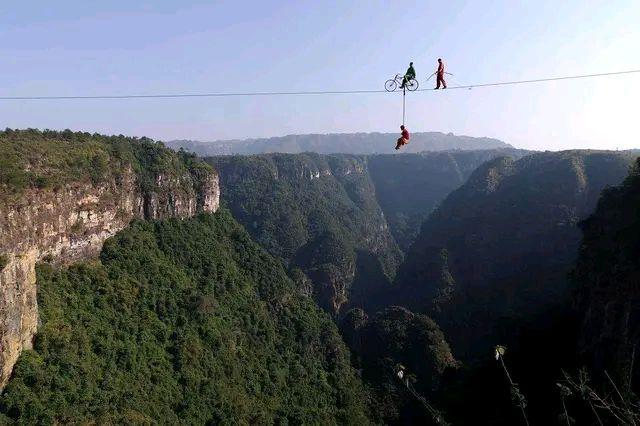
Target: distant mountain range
column 343, row 143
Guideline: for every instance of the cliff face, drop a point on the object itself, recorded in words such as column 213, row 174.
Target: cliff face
column 410, row 186
column 319, row 214
column 606, row 285
column 499, row 248
column 70, row 223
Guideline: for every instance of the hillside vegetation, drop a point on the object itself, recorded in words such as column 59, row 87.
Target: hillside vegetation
column 181, row 322
column 606, row 285
column 319, row 214
column 50, row 159
column 335, row 219
column 499, row 248
column 409, row 187
column 426, row 261
column 396, row 337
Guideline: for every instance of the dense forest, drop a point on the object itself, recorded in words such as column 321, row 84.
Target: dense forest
column 182, row 322
column 395, row 338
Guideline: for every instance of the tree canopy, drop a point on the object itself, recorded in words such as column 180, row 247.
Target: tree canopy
column 181, row 322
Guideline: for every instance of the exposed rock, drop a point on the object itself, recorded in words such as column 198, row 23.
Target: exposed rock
column 18, row 309
column 71, row 223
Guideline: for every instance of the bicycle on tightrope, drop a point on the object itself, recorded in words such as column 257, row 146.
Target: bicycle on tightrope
column 393, row 83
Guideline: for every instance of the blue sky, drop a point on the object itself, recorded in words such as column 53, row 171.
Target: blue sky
column 71, row 47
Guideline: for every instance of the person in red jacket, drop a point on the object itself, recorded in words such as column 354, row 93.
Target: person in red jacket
column 440, row 75
column 404, row 139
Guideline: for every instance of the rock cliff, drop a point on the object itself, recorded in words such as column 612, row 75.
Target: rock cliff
column 70, row 222
column 318, row 214
column 499, row 249
column 606, row 285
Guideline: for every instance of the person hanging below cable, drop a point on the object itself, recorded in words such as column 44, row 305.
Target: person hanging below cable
column 410, row 74
column 404, row 139
column 440, row 75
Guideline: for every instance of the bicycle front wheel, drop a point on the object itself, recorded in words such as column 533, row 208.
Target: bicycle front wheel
column 412, row 85
column 390, row 85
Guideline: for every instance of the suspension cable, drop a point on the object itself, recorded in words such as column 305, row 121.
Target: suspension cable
column 304, row 93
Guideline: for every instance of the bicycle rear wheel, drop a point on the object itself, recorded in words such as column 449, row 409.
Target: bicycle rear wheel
column 390, row 85
column 412, row 85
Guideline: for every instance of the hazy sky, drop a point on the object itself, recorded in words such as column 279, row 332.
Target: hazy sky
column 84, row 47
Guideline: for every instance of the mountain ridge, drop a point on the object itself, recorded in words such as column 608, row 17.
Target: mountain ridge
column 338, row 143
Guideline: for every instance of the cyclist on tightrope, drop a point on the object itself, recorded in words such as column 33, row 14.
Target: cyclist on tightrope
column 410, row 74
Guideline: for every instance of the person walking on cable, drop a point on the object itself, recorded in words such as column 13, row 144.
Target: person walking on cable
column 440, row 75
column 404, row 139
column 410, row 74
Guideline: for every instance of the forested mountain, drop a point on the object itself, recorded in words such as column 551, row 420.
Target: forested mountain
column 319, row 214
column 324, row 214
column 499, row 248
column 409, row 187
column 346, row 143
column 181, row 322
column 606, row 281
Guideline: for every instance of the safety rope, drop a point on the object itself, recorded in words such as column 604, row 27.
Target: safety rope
column 404, row 93
column 305, row 93
column 539, row 80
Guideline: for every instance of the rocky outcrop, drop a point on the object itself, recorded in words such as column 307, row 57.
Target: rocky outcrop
column 71, row 223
